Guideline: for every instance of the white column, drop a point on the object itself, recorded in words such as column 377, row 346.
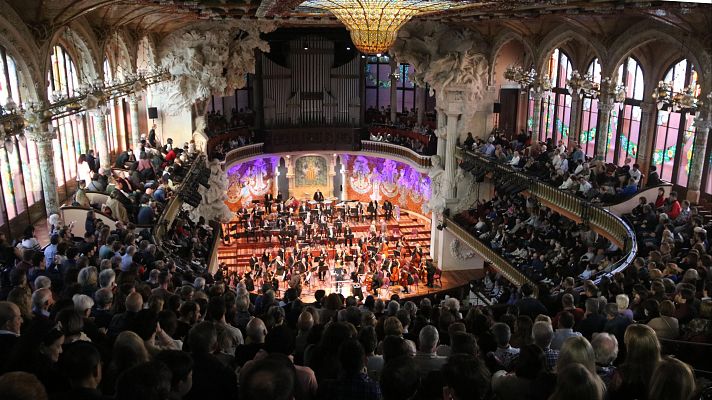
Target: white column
column 694, row 183
column 135, row 134
column 42, row 135
column 449, row 184
column 441, row 132
column 420, row 95
column 647, row 135
column 275, row 183
column 289, row 163
column 537, row 114
column 344, row 182
column 605, row 105
column 434, row 238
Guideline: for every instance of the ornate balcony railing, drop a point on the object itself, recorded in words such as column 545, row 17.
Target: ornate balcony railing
column 396, row 151
column 243, row 152
column 600, row 219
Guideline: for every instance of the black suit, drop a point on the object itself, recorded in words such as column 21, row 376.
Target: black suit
column 211, row 379
column 318, row 196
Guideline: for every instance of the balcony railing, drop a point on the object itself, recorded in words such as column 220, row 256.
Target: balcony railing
column 603, row 221
column 396, row 151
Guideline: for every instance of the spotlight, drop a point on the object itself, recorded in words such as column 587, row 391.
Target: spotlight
column 306, row 46
column 362, row 56
column 378, row 54
column 348, row 47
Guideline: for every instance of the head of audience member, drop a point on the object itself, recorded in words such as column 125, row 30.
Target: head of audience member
column 147, row 381
column 577, row 382
column 530, row 363
column 273, row 377
column 202, row 338
column 605, row 348
column 428, row 339
column 543, row 334
column 399, row 379
column 465, row 377
column 21, row 386
column 181, row 365
column 10, row 317
column 256, row 330
column 672, row 379
column 576, row 349
column 502, row 334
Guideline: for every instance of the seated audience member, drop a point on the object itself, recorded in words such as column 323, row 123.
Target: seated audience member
column 353, row 383
column 565, row 330
column 465, row 377
column 505, row 353
column 181, row 365
column 147, row 381
column 522, row 382
column 605, row 349
column 672, row 380
column 21, row 386
column 81, row 364
column 426, row 360
column 272, row 377
column 211, row 378
column 577, row 382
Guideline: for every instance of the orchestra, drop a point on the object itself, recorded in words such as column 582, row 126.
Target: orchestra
column 316, row 241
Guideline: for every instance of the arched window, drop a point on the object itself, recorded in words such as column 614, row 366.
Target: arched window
column 589, row 114
column 378, row 86
column 71, row 138
column 675, row 130
column 111, row 121
column 624, row 127
column 21, row 186
column 556, row 105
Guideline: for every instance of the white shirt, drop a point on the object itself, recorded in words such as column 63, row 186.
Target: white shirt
column 635, row 175
column 83, row 172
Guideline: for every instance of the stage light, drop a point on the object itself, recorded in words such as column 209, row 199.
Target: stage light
column 348, row 47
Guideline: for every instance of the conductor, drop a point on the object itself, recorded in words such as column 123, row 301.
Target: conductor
column 318, row 196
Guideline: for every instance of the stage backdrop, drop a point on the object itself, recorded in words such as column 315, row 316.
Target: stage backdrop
column 250, row 181
column 372, row 178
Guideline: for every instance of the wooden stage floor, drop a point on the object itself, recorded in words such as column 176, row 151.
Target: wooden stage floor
column 235, row 254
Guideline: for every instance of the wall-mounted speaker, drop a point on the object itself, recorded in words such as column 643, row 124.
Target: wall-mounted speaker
column 497, row 108
column 152, row 113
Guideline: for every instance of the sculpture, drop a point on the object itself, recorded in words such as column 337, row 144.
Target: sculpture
column 437, row 203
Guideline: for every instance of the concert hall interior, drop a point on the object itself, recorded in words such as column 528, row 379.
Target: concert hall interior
column 355, row 199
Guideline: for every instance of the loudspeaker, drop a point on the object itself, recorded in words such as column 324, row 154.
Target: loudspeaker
column 496, row 108
column 152, row 113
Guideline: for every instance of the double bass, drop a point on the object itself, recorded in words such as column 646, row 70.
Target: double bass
column 395, row 275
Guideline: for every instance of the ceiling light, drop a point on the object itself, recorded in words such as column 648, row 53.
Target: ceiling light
column 374, row 24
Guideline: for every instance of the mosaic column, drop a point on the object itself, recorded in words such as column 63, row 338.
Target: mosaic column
column 536, row 114
column 42, row 134
column 697, row 164
column 647, row 134
column 102, row 143
column 135, row 134
column 574, row 131
column 605, row 106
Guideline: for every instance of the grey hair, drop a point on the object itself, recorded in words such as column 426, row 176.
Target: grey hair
column 87, row 276
column 428, row 337
column 106, row 278
column 543, row 332
column 82, row 303
column 42, row 282
column 605, row 347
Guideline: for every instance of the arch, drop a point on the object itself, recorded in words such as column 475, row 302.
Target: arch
column 562, row 34
column 146, row 53
column 85, row 58
column 645, row 32
column 16, row 38
column 117, row 52
column 503, row 38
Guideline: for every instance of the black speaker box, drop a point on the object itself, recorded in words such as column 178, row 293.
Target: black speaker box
column 152, row 113
column 496, row 108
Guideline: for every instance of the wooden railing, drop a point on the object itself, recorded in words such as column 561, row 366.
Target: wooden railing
column 601, row 220
column 507, row 270
column 243, row 152
column 395, row 150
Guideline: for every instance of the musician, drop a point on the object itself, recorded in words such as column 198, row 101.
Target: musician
column 331, row 235
column 303, row 211
column 265, row 258
column 360, row 269
column 281, row 208
column 318, row 196
column 430, row 270
column 417, row 254
column 386, row 266
column 254, row 261
column 384, row 227
column 269, row 199
column 301, row 266
column 348, row 235
column 359, row 212
column 339, row 225
column 388, row 209
column 347, row 212
column 302, row 233
column 323, row 268
column 280, row 198
column 249, row 228
column 372, row 210
column 249, row 283
column 266, row 229
column 323, row 222
column 308, row 230
column 372, row 229
column 278, row 265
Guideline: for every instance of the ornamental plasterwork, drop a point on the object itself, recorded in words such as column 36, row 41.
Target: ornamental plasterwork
column 460, row 251
column 197, row 59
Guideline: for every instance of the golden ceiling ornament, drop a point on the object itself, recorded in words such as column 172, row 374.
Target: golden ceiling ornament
column 374, row 24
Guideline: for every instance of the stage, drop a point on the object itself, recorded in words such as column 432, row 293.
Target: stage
column 414, row 230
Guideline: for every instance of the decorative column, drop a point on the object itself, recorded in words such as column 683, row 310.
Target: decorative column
column 42, row 134
column 135, row 135
column 605, row 106
column 102, row 144
column 258, row 93
column 331, row 175
column 275, row 181
column 645, row 138
column 394, row 90
column 344, row 181
column 536, row 95
column 289, row 163
column 574, row 131
column 703, row 123
column 420, row 95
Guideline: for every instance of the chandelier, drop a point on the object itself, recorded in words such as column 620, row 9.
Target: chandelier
column 584, row 85
column 12, row 123
column 374, row 24
column 667, row 97
column 528, row 79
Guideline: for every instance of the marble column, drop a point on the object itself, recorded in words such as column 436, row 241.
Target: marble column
column 135, row 134
column 420, row 95
column 394, row 91
column 42, row 135
column 605, row 105
column 440, row 132
column 536, row 117
column 646, row 136
column 574, row 131
column 275, row 181
column 449, row 184
column 703, row 123
column 102, row 143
